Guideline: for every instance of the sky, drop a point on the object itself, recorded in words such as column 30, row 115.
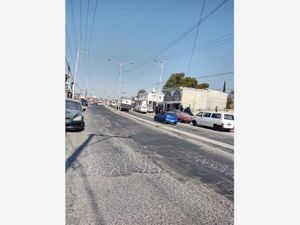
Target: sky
column 136, row 31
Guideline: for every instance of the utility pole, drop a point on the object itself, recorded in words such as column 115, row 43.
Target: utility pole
column 120, row 76
column 161, row 63
column 87, row 86
column 75, row 75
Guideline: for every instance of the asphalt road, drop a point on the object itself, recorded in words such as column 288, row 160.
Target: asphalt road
column 222, row 136
column 122, row 172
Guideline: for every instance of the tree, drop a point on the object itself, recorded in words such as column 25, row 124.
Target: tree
column 224, row 86
column 175, row 80
column 203, row 86
column 141, row 91
column 230, row 100
column 179, row 80
column 190, row 82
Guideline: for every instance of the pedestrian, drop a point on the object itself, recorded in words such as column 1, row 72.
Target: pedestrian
column 216, row 108
column 181, row 108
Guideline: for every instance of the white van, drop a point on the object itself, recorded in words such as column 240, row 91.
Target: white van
column 216, row 120
column 141, row 106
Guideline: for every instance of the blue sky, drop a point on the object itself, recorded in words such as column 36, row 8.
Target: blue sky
column 133, row 30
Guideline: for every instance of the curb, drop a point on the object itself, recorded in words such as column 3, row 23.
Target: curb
column 223, row 146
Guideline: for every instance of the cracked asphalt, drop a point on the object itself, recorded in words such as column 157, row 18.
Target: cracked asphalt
column 122, row 172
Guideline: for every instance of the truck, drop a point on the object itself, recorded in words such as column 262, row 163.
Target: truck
column 125, row 104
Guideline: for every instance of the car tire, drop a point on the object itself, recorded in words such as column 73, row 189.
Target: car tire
column 194, row 122
column 175, row 123
column 215, row 127
column 82, row 127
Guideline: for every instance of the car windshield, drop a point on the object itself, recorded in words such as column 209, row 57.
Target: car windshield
column 228, row 117
column 171, row 114
column 73, row 105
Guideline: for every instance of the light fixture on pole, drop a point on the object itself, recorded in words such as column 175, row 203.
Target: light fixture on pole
column 120, row 76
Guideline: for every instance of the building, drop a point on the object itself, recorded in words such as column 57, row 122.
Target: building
column 151, row 98
column 68, row 86
column 196, row 99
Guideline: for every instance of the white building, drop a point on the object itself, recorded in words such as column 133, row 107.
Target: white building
column 151, row 99
column 195, row 99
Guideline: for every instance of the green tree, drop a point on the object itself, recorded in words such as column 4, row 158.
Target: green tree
column 141, row 91
column 224, row 86
column 190, row 82
column 203, row 86
column 179, row 80
column 230, row 100
column 175, row 80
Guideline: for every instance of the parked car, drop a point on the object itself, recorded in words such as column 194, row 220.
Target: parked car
column 150, row 109
column 113, row 103
column 141, row 107
column 216, row 120
column 84, row 102
column 126, row 104
column 166, row 117
column 184, row 117
column 100, row 103
column 74, row 116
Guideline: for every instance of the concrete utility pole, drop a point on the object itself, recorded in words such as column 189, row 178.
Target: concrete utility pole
column 120, row 76
column 161, row 63
column 76, row 68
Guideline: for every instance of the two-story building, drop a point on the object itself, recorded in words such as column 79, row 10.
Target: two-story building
column 151, row 99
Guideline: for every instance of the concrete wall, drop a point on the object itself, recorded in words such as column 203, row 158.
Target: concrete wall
column 202, row 99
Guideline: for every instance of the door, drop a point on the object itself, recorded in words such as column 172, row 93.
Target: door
column 205, row 121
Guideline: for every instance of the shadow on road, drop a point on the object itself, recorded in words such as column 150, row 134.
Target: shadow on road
column 78, row 151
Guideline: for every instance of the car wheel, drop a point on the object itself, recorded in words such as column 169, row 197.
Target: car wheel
column 194, row 123
column 175, row 123
column 82, row 126
column 215, row 127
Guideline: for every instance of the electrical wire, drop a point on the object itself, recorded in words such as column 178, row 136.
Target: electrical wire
column 178, row 38
column 93, row 22
column 74, row 27
column 195, row 40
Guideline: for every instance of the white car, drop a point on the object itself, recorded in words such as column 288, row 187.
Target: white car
column 216, row 120
column 100, row 103
column 141, row 107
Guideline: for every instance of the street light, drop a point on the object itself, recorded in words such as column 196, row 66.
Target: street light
column 161, row 71
column 120, row 73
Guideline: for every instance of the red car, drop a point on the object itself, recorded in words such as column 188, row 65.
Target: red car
column 184, row 117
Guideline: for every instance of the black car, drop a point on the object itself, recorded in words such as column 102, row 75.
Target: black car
column 83, row 102
column 74, row 117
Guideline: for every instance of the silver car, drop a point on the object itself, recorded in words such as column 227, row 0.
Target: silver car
column 74, row 116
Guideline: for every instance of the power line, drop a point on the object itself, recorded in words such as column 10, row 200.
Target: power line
column 205, row 46
column 216, row 75
column 195, row 40
column 178, row 38
column 93, row 22
column 86, row 24
column 69, row 44
column 80, row 24
column 211, row 43
column 74, row 27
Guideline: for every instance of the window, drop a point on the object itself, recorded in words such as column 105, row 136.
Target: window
column 206, row 114
column 199, row 114
column 73, row 105
column 228, row 117
column 171, row 114
column 216, row 115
